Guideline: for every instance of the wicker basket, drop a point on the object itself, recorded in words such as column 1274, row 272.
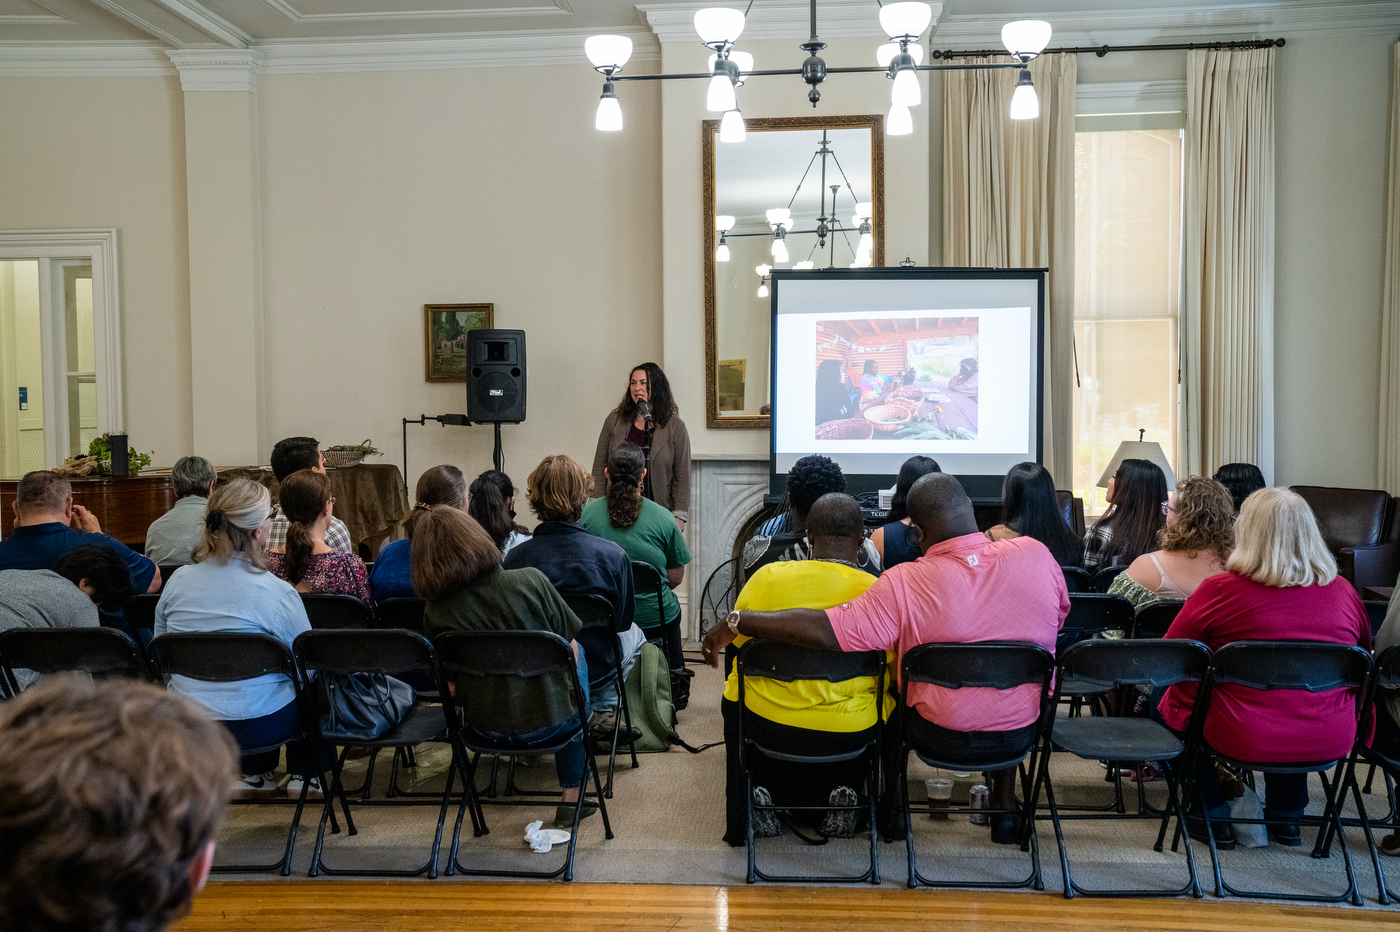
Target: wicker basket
column 876, row 416
column 340, row 459
column 855, row 428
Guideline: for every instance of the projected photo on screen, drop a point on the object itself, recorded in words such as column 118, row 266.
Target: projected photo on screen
column 896, row 378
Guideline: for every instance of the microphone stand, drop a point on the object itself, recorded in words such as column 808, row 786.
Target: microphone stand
column 647, row 433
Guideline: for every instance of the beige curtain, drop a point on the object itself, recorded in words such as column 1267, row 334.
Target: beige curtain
column 1008, row 202
column 1388, row 459
column 1228, row 298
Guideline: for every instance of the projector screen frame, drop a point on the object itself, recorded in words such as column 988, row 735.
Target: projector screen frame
column 983, row 490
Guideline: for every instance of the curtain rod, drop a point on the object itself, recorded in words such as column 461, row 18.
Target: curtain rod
column 1102, row 50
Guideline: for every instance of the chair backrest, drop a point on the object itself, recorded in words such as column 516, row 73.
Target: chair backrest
column 1154, row 663
column 1153, row 619
column 786, row 663
column 1375, row 614
column 404, row 612
column 1104, row 577
column 721, row 589
column 988, row 664
column 140, row 612
column 1315, row 666
column 370, row 650
column 1348, row 517
column 221, row 657
column 98, row 651
column 594, row 610
column 1093, row 612
column 166, row 572
column 645, row 579
column 1072, row 509
column 333, row 610
column 1388, row 668
column 472, row 659
column 1077, row 579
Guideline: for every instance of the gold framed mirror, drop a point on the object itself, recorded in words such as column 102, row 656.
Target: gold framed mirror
column 785, row 163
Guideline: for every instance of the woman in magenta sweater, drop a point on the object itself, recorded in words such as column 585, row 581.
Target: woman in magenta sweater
column 1280, row 584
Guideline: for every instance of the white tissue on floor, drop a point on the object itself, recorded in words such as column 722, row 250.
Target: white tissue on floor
column 540, row 840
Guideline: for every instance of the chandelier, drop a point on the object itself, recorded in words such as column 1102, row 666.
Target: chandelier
column 899, row 60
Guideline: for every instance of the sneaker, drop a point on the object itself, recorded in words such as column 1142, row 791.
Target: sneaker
column 564, row 815
column 255, row 786
column 312, row 792
column 1390, row 845
column 841, row 823
column 765, row 821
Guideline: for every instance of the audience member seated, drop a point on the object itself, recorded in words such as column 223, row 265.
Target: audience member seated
column 491, row 501
column 648, row 533
column 457, row 570
column 48, row 525
column 306, row 560
column 1387, row 740
column 580, row 563
column 964, row 589
column 1129, row 527
column 288, row 456
column 895, row 542
column 111, row 795
column 1195, row 544
column 229, row 588
column 171, row 537
column 440, row 485
column 802, row 715
column 1029, row 508
column 1242, row 479
column 810, row 478
column 1279, row 584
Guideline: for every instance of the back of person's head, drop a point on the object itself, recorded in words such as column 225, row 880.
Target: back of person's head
column 914, row 469
column 236, row 509
column 626, row 463
column 829, row 372
column 558, row 489
column 1204, row 520
column 42, row 492
column 488, row 501
column 809, row 479
column 940, row 508
column 303, row 499
column 1242, row 479
column 1030, row 507
column 450, row 550
column 102, row 570
column 191, row 475
column 836, row 515
column 295, row 453
column 440, row 485
column 1135, row 514
column 1277, row 542
column 111, row 794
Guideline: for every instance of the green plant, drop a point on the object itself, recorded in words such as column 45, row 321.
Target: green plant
column 101, row 450
column 364, row 448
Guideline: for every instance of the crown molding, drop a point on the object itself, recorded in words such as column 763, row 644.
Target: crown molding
column 217, row 69
column 35, row 19
column 1130, row 97
column 83, row 60
column 675, row 22
column 286, row 8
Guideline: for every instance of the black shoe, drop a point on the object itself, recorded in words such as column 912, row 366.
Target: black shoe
column 1006, row 828
column 1288, row 834
column 1224, row 833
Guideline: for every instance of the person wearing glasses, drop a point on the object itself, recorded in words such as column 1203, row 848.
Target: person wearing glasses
column 1197, row 540
column 306, row 560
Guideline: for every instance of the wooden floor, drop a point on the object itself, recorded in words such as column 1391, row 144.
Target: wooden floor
column 505, row 907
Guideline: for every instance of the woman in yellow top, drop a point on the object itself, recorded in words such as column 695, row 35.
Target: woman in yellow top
column 802, row 715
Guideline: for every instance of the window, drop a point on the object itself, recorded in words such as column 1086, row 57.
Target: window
column 1127, row 293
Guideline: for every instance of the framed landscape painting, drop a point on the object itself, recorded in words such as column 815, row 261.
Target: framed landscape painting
column 445, row 329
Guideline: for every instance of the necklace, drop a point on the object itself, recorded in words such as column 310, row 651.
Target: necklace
column 842, row 562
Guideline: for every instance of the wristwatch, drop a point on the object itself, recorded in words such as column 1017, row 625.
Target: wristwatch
column 732, row 619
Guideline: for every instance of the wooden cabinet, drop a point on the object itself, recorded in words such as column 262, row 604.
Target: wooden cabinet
column 124, row 507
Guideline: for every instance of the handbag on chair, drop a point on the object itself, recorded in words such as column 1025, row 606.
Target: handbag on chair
column 362, row 705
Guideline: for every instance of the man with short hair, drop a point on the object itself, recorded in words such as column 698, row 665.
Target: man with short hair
column 48, row 525
column 810, row 478
column 111, row 795
column 173, row 536
column 963, row 589
column 287, row 457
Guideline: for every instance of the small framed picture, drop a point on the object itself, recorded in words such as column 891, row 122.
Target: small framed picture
column 445, row 329
column 729, row 385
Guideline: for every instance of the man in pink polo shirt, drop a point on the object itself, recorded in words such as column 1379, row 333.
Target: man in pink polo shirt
column 965, row 588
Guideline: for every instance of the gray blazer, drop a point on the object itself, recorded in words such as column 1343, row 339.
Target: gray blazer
column 670, row 462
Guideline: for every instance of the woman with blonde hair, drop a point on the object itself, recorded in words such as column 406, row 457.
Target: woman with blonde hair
column 440, row 485
column 306, row 560
column 1279, row 584
column 228, row 588
column 1197, row 540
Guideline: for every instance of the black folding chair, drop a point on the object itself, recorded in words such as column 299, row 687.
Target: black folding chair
column 140, row 611
column 1093, row 613
column 999, row 665
column 787, row 664
column 1313, row 666
column 717, row 598
column 1077, row 579
column 375, row 651
column 1108, row 664
column 229, row 658
column 1375, row 614
column 1103, row 578
column 165, row 573
column 401, row 612
column 600, row 638
column 510, row 664
column 326, row 610
column 100, row 652
column 1153, row 619
column 1385, row 679
column 646, row 579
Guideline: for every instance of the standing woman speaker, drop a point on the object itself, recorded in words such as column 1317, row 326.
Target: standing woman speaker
column 647, row 418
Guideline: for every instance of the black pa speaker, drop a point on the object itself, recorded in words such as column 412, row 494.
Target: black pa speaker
column 496, row 375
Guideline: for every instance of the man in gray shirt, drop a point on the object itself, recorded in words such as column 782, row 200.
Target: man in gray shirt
column 174, row 534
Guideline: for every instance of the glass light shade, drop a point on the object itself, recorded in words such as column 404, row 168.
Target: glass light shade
column 1026, row 36
column 780, row 253
column 906, row 90
column 805, row 265
column 899, row 122
column 905, row 19
column 743, row 59
column 721, row 94
column 609, row 118
column 731, row 128
column 779, row 216
column 722, row 253
column 867, row 243
column 724, row 223
column 1024, row 104
column 886, row 53
column 763, row 290
column 608, row 51
column 719, row 24
column 763, row 269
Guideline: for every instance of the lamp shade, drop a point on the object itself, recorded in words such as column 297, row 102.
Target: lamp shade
column 720, row 97
column 779, row 216
column 608, row 51
column 899, row 122
column 763, row 269
column 1026, row 36
column 864, row 211
column 731, row 128
column 780, row 253
column 906, row 89
column 905, row 19
column 743, row 59
column 763, row 290
column 1024, row 104
column 886, row 53
column 722, row 252
column 1139, row 450
column 609, row 117
column 718, row 24
column 724, row 223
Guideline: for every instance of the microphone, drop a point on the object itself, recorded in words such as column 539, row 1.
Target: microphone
column 645, row 409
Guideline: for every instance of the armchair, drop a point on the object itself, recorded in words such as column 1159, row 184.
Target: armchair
column 1361, row 529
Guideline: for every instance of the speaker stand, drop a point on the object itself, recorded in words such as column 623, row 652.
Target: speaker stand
column 498, row 456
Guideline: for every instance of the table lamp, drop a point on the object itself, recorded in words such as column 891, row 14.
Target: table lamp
column 1139, row 449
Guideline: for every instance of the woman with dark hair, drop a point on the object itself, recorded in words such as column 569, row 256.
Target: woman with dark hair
column 833, row 401
column 895, row 541
column 647, row 418
column 1129, row 527
column 1029, row 508
column 440, row 485
column 1240, row 479
column 306, row 560
column 491, row 501
column 966, row 379
column 872, row 383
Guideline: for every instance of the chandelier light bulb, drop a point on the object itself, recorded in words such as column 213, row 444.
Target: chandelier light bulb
column 763, row 290
column 1026, row 38
column 719, row 25
column 779, row 216
column 724, row 223
column 609, row 118
column 780, row 253
column 886, row 53
column 866, row 245
column 905, row 19
column 731, row 128
column 722, row 252
column 721, row 94
column 1024, row 104
column 763, row 270
column 899, row 122
column 906, row 90
column 608, row 51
